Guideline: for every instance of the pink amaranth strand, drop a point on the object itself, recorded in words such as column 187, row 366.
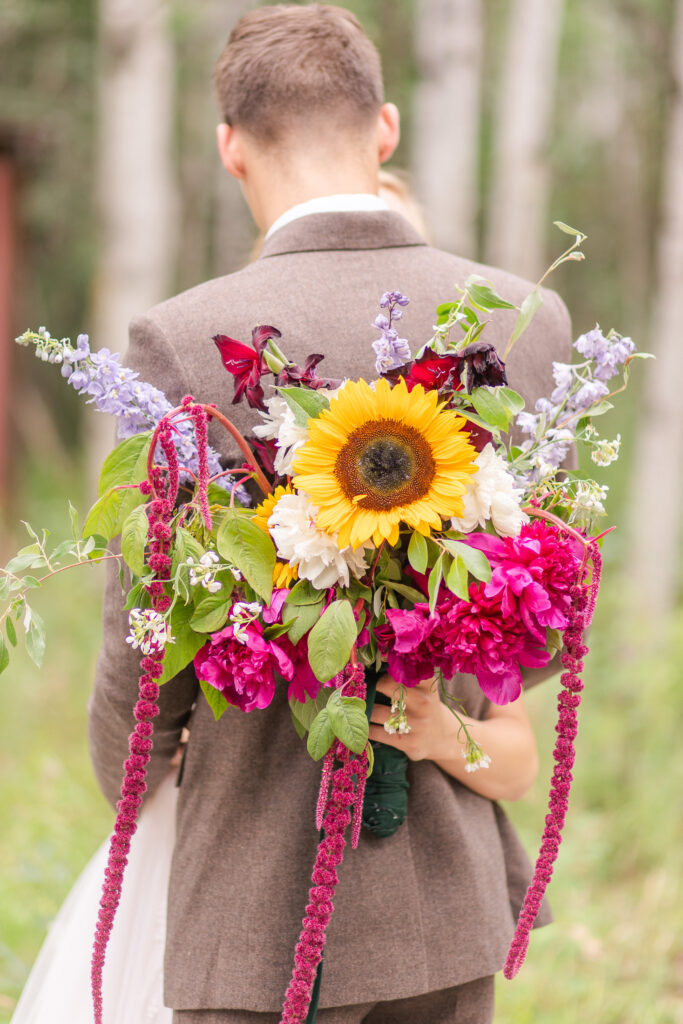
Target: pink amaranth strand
column 159, row 513
column 201, row 432
column 579, row 615
column 343, row 799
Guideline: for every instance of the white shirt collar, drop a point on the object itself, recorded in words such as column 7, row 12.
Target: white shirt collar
column 343, row 203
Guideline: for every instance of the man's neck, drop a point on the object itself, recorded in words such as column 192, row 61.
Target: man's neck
column 271, row 190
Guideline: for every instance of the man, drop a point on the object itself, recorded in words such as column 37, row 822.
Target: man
column 422, row 919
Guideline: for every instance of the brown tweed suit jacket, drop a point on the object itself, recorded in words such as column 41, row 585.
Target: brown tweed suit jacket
column 432, row 906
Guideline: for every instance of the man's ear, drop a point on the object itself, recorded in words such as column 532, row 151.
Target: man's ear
column 230, row 149
column 388, row 131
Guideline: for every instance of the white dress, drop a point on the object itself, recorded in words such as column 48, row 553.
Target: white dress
column 58, row 988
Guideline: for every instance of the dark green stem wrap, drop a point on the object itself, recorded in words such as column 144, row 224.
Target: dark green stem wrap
column 385, row 805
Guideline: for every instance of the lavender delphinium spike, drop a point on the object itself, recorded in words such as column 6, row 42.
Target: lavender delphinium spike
column 118, row 390
column 391, row 350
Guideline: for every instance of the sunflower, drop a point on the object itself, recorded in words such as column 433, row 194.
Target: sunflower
column 378, row 458
column 283, row 574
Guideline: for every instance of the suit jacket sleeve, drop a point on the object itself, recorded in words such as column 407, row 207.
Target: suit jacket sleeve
column 118, row 666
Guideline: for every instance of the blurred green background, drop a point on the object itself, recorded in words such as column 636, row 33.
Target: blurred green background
column 613, row 90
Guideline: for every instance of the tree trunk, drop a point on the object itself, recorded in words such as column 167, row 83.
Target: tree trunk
column 654, row 551
column 449, row 42
column 517, row 208
column 138, row 205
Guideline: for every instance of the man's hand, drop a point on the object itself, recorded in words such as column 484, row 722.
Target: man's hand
column 505, row 735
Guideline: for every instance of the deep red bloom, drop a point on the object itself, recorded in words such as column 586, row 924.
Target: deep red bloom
column 436, row 372
column 306, row 375
column 247, row 365
column 485, row 368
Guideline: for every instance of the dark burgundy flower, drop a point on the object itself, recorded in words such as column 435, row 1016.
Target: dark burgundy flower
column 306, row 375
column 485, row 368
column 247, row 365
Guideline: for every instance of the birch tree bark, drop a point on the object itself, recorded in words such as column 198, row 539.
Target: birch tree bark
column 657, row 477
column 517, row 207
column 138, row 204
column 449, row 42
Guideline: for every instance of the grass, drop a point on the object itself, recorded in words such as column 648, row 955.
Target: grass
column 612, row 957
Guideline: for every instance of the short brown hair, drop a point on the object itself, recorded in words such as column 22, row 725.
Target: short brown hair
column 284, row 63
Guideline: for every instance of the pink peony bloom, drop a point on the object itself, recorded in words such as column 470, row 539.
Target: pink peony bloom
column 532, row 574
column 304, row 683
column 403, row 641
column 243, row 670
column 475, row 637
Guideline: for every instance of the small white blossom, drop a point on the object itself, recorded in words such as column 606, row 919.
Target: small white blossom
column 475, row 758
column 491, row 494
column 149, row 631
column 606, row 452
column 241, row 614
column 202, row 572
column 313, row 552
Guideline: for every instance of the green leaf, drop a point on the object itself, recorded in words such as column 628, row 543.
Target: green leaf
column 320, row 735
column 476, row 561
column 4, row 586
column 528, row 310
column 179, row 654
column 304, row 403
column 35, row 639
column 304, row 592
column 512, row 400
column 568, row 230
column 411, row 593
column 553, row 639
column 275, row 630
column 485, row 297
column 300, row 731
column 214, row 698
column 489, row 404
column 211, row 613
column 349, row 721
column 312, row 706
column 434, row 581
column 599, row 409
column 75, row 530
column 26, row 559
column 417, row 552
column 103, row 518
column 244, row 544
column 302, row 618
column 126, row 464
column 456, row 578
column 136, row 596
column 4, row 655
column 186, row 546
column 371, row 759
column 11, row 631
column 134, row 539
column 331, row 639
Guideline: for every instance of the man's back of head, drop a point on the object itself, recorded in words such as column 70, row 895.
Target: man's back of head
column 300, row 91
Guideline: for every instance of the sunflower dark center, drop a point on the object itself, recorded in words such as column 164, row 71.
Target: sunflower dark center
column 384, row 464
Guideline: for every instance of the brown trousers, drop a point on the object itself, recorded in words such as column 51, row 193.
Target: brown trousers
column 471, row 1003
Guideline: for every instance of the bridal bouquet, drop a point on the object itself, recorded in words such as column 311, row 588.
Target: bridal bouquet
column 399, row 528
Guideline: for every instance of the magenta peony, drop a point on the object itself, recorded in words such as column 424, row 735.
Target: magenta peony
column 532, row 574
column 243, row 669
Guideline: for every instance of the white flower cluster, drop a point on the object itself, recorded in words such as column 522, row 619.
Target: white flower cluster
column 241, row 614
column 475, row 758
column 314, row 553
column 606, row 452
column 48, row 349
column 149, row 631
column 397, row 722
column 280, row 426
column 588, row 500
column 491, row 494
column 204, row 573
